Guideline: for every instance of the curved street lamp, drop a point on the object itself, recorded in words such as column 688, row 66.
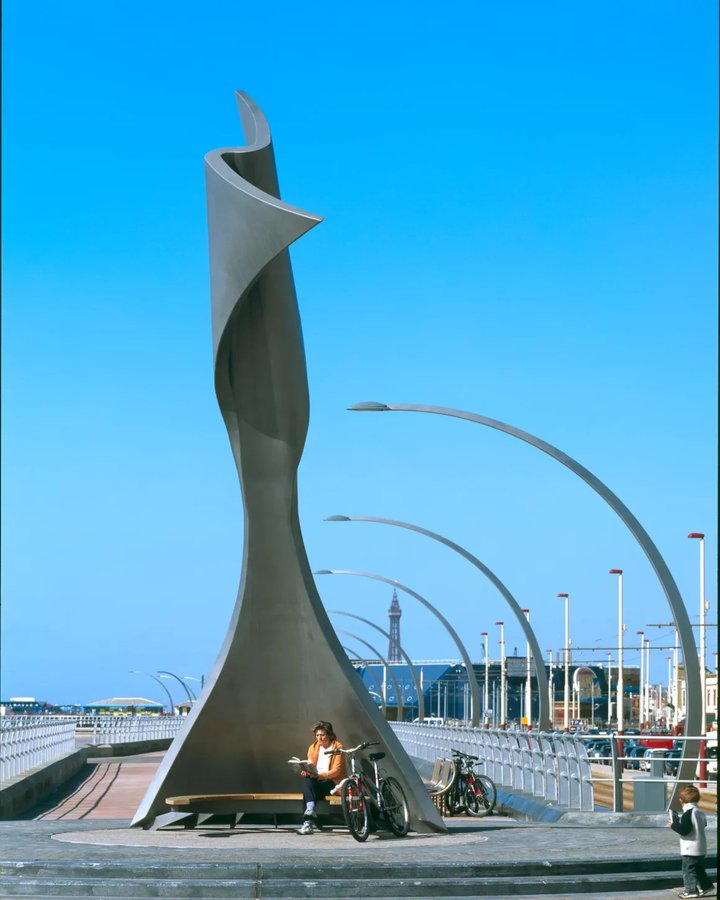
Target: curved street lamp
column 523, row 621
column 408, row 661
column 155, row 678
column 386, row 666
column 191, row 696
column 472, row 680
column 693, row 713
column 366, row 663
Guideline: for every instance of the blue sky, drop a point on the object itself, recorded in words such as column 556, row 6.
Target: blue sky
column 520, row 205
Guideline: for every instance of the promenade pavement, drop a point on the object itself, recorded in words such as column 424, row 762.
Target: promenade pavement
column 88, row 822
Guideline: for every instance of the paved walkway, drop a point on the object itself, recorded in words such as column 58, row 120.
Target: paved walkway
column 89, row 822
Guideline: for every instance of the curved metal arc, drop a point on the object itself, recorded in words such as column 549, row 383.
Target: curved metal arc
column 366, row 663
column 408, row 661
column 540, row 674
column 386, row 664
column 472, row 681
column 191, row 697
column 163, row 686
column 695, row 702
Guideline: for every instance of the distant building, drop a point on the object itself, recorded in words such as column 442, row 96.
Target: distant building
column 394, row 655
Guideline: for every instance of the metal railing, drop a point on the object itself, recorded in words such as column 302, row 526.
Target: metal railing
column 125, row 729
column 30, row 741
column 553, row 767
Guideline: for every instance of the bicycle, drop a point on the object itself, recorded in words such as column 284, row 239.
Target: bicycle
column 359, row 792
column 471, row 792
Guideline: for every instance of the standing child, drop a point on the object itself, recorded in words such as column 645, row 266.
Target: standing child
column 690, row 825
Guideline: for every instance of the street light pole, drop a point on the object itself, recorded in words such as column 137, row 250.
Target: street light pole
column 551, row 692
column 566, row 699
column 528, row 683
column 155, row 678
column 641, row 711
column 486, row 691
column 503, row 685
column 702, row 651
column 621, row 675
column 191, row 696
column 609, row 690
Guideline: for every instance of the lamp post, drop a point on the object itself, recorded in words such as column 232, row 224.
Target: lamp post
column 697, row 535
column 551, row 689
column 191, row 696
column 475, row 694
column 528, row 683
column 660, row 567
column 609, row 690
column 413, row 674
column 566, row 698
column 155, row 678
column 486, row 691
column 503, row 683
column 490, row 575
column 621, row 675
column 641, row 710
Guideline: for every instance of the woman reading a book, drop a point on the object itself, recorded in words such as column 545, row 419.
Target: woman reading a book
column 323, row 774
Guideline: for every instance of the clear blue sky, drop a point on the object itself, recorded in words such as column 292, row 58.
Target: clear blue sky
column 520, row 205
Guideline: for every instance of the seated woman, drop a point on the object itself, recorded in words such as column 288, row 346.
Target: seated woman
column 330, row 772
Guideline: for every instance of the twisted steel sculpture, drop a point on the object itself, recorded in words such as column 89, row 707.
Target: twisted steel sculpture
column 281, row 666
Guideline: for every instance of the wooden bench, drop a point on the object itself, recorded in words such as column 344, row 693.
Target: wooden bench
column 441, row 781
column 192, row 809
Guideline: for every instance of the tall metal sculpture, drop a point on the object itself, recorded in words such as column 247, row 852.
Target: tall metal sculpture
column 281, row 666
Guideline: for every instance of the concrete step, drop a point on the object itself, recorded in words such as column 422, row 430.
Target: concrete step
column 295, row 889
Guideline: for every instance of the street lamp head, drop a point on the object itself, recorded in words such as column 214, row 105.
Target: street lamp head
column 499, row 623
column 525, row 609
column 615, row 572
column 484, row 633
column 368, row 406
column 323, row 572
column 696, row 534
column 563, row 595
column 336, row 519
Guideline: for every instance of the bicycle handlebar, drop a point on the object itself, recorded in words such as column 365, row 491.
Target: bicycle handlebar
column 349, row 750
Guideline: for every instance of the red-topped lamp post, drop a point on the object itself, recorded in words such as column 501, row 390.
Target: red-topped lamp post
column 621, row 631
column 566, row 697
column 701, row 656
column 503, row 681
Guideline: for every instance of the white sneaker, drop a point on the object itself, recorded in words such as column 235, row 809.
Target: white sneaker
column 307, row 827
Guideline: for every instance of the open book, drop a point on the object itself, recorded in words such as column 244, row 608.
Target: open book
column 302, row 765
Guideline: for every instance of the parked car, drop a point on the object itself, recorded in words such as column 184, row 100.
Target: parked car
column 633, row 756
column 601, row 751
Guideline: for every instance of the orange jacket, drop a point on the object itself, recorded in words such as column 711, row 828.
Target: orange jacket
column 336, row 772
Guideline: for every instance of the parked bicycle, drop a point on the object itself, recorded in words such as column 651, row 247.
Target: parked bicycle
column 470, row 792
column 361, row 795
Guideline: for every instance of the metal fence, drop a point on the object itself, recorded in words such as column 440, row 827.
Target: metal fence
column 125, row 729
column 29, row 741
column 554, row 768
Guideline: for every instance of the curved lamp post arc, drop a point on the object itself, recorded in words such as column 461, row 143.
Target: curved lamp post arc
column 386, row 664
column 191, row 696
column 408, row 661
column 540, row 674
column 472, row 680
column 361, row 659
column 694, row 711
column 164, row 687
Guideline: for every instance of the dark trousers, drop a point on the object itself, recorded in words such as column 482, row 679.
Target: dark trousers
column 315, row 789
column 694, row 874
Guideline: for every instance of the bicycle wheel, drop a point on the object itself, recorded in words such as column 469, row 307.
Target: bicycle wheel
column 395, row 806
column 355, row 810
column 480, row 796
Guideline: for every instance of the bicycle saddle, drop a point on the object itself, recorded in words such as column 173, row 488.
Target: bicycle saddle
column 376, row 756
